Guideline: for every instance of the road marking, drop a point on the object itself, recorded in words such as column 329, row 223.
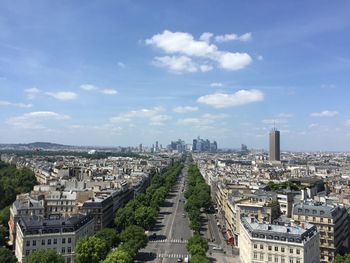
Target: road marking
column 179, row 241
column 172, row 256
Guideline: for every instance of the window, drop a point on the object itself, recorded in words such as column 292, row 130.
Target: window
column 269, row 257
column 63, row 240
column 43, row 242
column 282, row 249
column 321, row 219
column 27, row 243
column 298, row 251
column 270, row 248
column 63, row 250
column 298, row 260
column 276, row 258
column 34, row 243
column 49, row 241
column 255, row 245
column 55, row 240
column 276, row 248
column 69, row 260
column 69, row 240
column 283, row 260
column 255, row 255
column 27, row 252
column 261, row 256
column 291, row 250
column 329, row 220
column 69, row 249
column 291, row 260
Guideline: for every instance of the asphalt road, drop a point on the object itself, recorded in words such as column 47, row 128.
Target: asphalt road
column 172, row 229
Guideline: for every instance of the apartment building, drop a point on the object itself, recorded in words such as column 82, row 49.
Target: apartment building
column 332, row 222
column 260, row 242
column 60, row 234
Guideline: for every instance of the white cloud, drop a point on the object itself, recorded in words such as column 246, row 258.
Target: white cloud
column 19, row 105
column 176, row 64
column 233, row 61
column 185, row 109
column 325, row 113
column 88, row 87
column 63, row 95
column 260, row 57
column 241, row 97
column 34, row 120
column 109, row 91
column 232, row 37
column 32, row 93
column 153, row 115
column 216, row 85
column 206, row 36
column 159, row 120
column 91, row 87
column 186, row 48
column 202, row 121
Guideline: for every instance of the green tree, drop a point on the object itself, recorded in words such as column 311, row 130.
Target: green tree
column 199, row 259
column 133, row 238
column 118, row 256
column 90, row 250
column 196, row 249
column 6, row 256
column 198, row 240
column 110, row 236
column 145, row 216
column 44, row 256
column 5, row 215
column 342, row 259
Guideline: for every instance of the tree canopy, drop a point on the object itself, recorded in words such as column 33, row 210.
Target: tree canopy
column 110, row 236
column 44, row 256
column 118, row 256
column 6, row 256
column 90, row 250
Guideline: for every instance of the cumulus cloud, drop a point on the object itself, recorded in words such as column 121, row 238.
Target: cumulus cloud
column 202, row 121
column 63, row 95
column 216, row 85
column 223, row 100
column 91, row 87
column 176, row 64
column 185, row 48
column 185, row 109
column 232, row 37
column 32, row 93
column 19, row 105
column 153, row 115
column 36, row 119
column 325, row 113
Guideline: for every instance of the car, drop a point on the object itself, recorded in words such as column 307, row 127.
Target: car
column 184, row 215
column 217, row 248
column 179, row 260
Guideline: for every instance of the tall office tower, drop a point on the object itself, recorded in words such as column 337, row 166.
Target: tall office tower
column 140, row 147
column 274, row 153
column 157, row 148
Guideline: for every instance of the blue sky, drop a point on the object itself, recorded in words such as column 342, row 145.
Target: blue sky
column 128, row 72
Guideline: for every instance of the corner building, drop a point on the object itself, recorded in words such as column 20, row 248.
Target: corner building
column 275, row 243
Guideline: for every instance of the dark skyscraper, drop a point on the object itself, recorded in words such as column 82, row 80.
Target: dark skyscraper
column 274, row 152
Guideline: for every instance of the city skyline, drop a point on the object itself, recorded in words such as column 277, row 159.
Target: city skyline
column 125, row 73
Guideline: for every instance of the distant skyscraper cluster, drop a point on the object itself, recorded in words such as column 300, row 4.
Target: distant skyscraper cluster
column 178, row 145
column 201, row 145
column 274, row 150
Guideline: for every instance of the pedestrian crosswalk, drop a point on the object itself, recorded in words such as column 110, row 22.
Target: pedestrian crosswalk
column 164, row 240
column 172, row 256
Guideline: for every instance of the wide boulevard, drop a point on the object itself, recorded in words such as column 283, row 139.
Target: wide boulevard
column 168, row 238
